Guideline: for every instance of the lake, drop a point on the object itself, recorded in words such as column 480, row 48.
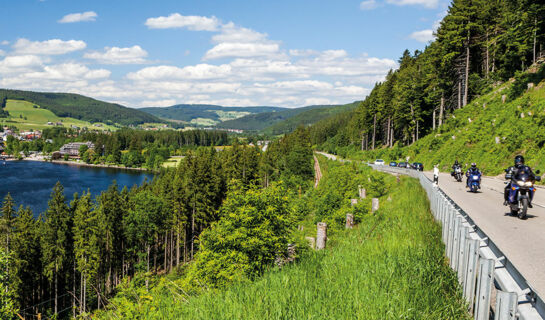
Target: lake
column 30, row 182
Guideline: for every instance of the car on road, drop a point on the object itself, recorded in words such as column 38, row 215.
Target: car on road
column 379, row 162
column 402, row 165
column 393, row 164
column 418, row 166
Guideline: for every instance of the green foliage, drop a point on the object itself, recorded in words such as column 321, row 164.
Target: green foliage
column 8, row 310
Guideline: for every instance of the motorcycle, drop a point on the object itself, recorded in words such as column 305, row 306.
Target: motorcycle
column 474, row 182
column 457, row 174
column 521, row 192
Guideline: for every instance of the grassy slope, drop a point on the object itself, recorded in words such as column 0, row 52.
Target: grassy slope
column 307, row 118
column 37, row 118
column 391, row 266
column 81, row 107
column 469, row 135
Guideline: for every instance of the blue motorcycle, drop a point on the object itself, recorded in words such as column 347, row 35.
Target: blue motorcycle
column 521, row 192
column 474, row 181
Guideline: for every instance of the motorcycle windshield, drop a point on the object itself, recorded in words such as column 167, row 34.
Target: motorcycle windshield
column 523, row 175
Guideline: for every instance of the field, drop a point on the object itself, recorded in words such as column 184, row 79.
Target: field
column 172, row 161
column 24, row 116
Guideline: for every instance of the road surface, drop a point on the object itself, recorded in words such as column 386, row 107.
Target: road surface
column 522, row 241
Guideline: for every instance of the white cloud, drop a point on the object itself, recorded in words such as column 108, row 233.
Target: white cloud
column 78, row 17
column 303, row 53
column 115, row 55
column 159, row 103
column 17, row 64
column 4, row 42
column 424, row 36
column 197, row 72
column 2, row 52
column 368, row 5
column 233, row 50
column 48, row 47
column 176, row 20
column 425, row 3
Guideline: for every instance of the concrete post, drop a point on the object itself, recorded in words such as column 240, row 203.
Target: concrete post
column 374, row 204
column 362, row 192
column 321, row 235
column 349, row 221
column 484, row 289
column 506, row 306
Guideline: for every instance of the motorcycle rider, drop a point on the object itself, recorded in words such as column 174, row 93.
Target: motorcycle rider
column 519, row 165
column 472, row 170
column 454, row 166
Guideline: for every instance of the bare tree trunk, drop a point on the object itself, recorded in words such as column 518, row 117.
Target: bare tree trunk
column 81, row 293
column 374, row 130
column 433, row 120
column 192, row 231
column 178, row 248
column 487, row 56
column 56, row 295
column 165, row 258
column 74, row 293
column 147, row 266
column 535, row 40
column 392, row 136
column 84, row 293
column 441, row 109
column 460, row 94
column 417, row 130
column 388, row 132
column 362, row 141
column 466, row 81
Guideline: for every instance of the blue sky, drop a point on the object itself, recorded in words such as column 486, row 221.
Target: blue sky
column 234, row 53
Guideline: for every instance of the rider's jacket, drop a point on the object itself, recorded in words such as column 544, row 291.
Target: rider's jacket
column 472, row 171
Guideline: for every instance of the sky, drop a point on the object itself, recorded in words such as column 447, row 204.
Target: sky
column 287, row 53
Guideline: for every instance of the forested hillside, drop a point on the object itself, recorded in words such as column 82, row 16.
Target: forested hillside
column 479, row 45
column 80, row 107
column 260, row 121
column 189, row 112
column 307, row 118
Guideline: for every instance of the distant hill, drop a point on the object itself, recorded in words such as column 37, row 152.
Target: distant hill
column 261, row 121
column 206, row 114
column 307, row 118
column 80, row 107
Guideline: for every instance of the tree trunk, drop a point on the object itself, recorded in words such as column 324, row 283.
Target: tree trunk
column 535, row 40
column 441, row 109
column 178, row 247
column 417, row 130
column 392, row 136
column 433, row 120
column 362, row 141
column 460, row 94
column 388, row 132
column 374, row 131
column 487, row 56
column 166, row 250
column 192, row 231
column 74, row 292
column 466, row 81
column 56, row 296
column 148, row 248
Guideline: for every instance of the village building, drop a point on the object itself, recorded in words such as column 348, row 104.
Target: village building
column 72, row 148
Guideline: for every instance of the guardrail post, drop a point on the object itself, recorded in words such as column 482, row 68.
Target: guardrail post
column 444, row 221
column 484, row 289
column 464, row 232
column 374, row 204
column 506, row 306
column 472, row 255
column 455, row 242
column 349, row 221
column 362, row 192
column 450, row 239
column 321, row 235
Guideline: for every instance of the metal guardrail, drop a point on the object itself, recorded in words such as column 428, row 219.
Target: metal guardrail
column 491, row 283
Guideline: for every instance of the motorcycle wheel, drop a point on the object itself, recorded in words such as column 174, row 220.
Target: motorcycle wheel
column 524, row 209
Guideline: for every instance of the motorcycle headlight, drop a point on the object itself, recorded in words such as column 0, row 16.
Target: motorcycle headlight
column 520, row 183
column 528, row 184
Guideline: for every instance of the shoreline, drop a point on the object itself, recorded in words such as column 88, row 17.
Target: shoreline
column 83, row 164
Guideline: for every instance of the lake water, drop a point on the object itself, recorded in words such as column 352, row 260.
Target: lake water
column 30, row 182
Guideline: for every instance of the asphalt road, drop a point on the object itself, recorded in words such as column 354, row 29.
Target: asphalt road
column 522, row 241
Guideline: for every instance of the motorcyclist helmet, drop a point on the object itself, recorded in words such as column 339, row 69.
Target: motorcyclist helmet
column 473, row 166
column 519, row 161
column 456, row 162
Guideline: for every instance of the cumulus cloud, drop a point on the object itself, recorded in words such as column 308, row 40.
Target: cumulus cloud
column 78, row 17
column 424, row 3
column 17, row 64
column 422, row 35
column 368, row 5
column 176, row 20
column 4, row 42
column 115, row 55
column 197, row 72
column 48, row 47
